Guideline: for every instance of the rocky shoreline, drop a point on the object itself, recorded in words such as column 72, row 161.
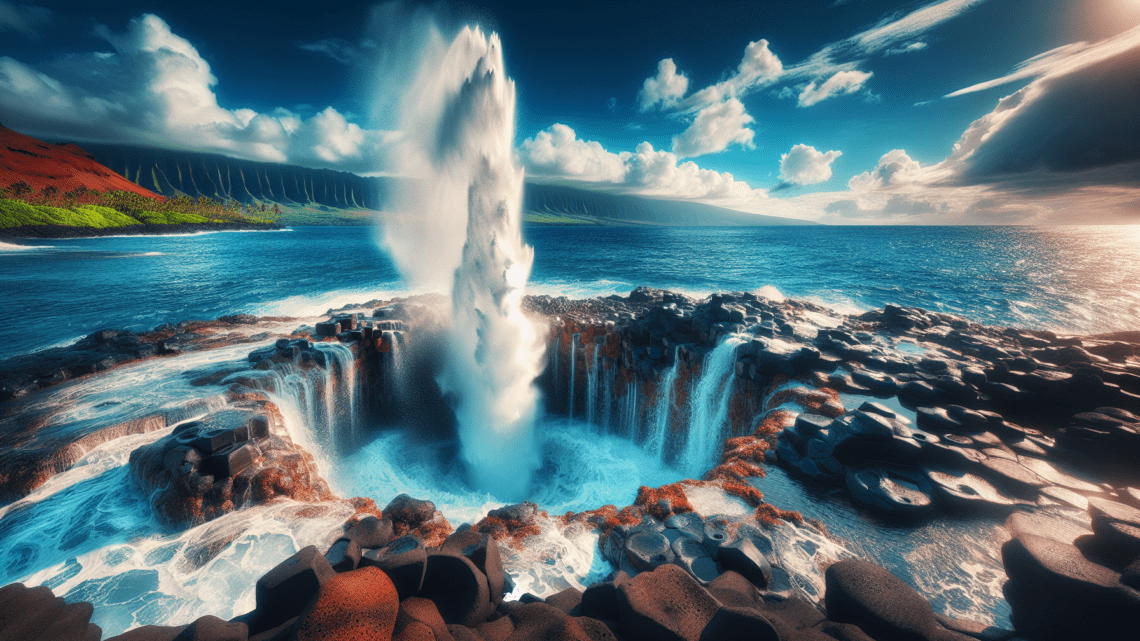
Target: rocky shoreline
column 969, row 420
column 142, row 229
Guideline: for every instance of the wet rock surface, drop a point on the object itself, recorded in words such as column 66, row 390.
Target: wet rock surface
column 234, row 457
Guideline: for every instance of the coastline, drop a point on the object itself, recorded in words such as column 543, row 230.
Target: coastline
column 144, row 229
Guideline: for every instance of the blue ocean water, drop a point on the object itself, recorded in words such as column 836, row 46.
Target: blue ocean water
column 1071, row 279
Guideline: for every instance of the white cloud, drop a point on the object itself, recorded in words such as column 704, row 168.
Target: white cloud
column 558, row 153
column 804, row 165
column 155, row 89
column 22, row 18
column 714, row 129
column 758, row 68
column 664, row 89
column 910, row 47
column 842, row 82
column 895, row 168
column 1063, row 59
column 891, row 31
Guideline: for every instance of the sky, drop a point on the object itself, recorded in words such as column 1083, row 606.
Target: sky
column 839, row 111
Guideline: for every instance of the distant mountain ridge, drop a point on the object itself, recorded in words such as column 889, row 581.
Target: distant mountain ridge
column 620, row 208
column 174, row 173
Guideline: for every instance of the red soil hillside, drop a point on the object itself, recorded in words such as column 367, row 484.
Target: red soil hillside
column 65, row 167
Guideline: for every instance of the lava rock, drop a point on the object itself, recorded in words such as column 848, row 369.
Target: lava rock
column 285, row 590
column 343, row 555
column 566, row 600
column 958, row 488
column 694, row 558
column 893, row 490
column 361, row 604
column 424, row 612
column 1054, row 590
column 542, row 621
column 739, row 624
column 211, row 628
column 403, row 560
column 741, row 556
column 409, row 511
column 648, row 550
column 878, row 602
column 664, row 605
column 36, row 613
column 483, row 551
column 370, row 532
column 458, row 589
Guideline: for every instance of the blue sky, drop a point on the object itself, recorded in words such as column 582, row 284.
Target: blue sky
column 848, row 111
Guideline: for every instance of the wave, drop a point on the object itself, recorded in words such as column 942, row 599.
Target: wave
column 9, row 247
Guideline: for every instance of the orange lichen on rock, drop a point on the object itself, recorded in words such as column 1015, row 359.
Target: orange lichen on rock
column 650, row 500
column 824, row 400
column 363, row 507
column 361, row 604
column 512, row 524
column 768, row 514
column 605, row 518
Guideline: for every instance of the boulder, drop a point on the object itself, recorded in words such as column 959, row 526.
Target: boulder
column 458, row 589
column 36, row 613
column 423, row 611
column 1054, row 590
column 880, row 603
column 483, row 551
column 343, row 555
column 362, row 604
column 566, row 600
column 285, row 590
column 739, row 624
column 211, row 628
column 370, row 532
column 542, row 621
column 403, row 560
column 741, row 556
column 664, row 605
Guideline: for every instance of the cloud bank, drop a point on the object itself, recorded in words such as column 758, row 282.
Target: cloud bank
column 558, row 153
column 154, row 88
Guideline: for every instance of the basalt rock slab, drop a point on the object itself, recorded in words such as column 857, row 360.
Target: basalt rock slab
column 897, row 491
column 234, row 457
column 482, row 550
column 542, row 621
column 664, row 605
column 286, row 589
column 879, row 603
column 1056, row 592
column 955, row 487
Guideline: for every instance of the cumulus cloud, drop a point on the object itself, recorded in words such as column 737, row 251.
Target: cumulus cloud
column 558, row 153
column 842, row 82
column 895, row 168
column 758, row 68
column 664, row 89
column 804, row 165
column 155, row 89
column 714, row 129
column 22, row 18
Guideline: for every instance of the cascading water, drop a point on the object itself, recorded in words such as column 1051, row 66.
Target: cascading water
column 663, row 409
column 573, row 371
column 459, row 150
column 710, row 407
column 592, row 384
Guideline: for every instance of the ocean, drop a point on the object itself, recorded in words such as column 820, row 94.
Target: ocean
column 1068, row 279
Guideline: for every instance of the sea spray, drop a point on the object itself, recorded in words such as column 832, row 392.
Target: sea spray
column 458, row 226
